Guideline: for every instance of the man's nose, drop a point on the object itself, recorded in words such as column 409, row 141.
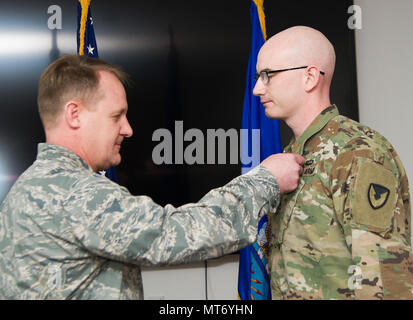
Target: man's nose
column 259, row 88
column 126, row 129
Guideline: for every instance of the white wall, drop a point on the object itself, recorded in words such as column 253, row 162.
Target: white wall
column 384, row 52
column 187, row 282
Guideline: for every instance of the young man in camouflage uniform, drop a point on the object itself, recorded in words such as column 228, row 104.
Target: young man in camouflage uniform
column 344, row 233
column 66, row 232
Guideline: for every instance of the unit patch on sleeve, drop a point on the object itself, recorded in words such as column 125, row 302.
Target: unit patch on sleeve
column 374, row 195
column 378, row 195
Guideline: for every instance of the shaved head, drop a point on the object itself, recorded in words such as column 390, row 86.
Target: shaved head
column 296, row 95
column 301, row 46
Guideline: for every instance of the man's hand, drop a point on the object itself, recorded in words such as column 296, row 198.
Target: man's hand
column 286, row 168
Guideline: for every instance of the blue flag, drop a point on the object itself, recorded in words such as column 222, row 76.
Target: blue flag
column 86, row 45
column 264, row 137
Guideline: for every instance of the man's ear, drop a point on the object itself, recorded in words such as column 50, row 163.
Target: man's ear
column 72, row 114
column 311, row 78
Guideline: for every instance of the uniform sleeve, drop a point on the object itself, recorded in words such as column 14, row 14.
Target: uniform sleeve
column 372, row 205
column 110, row 222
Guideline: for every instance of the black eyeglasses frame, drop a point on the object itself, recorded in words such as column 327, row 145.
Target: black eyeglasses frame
column 268, row 72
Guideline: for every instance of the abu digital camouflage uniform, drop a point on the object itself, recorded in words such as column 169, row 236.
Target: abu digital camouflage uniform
column 344, row 233
column 67, row 232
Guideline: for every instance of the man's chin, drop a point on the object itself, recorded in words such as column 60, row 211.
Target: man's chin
column 271, row 115
column 116, row 161
column 113, row 163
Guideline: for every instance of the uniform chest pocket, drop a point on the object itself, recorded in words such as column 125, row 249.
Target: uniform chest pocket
column 281, row 220
column 307, row 213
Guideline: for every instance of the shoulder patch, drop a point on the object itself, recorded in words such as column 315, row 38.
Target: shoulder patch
column 377, row 195
column 374, row 196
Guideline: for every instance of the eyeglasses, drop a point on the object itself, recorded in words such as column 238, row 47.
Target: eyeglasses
column 264, row 75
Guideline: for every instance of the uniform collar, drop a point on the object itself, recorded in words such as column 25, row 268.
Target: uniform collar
column 48, row 151
column 297, row 146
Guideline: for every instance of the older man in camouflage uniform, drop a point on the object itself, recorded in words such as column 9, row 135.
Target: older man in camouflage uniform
column 66, row 232
column 344, row 233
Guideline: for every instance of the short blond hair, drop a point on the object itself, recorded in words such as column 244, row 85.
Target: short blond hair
column 69, row 77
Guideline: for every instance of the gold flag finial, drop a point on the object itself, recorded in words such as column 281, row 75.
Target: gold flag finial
column 261, row 15
column 83, row 19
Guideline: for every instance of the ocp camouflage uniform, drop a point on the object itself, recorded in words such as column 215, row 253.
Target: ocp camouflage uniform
column 67, row 232
column 344, row 233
